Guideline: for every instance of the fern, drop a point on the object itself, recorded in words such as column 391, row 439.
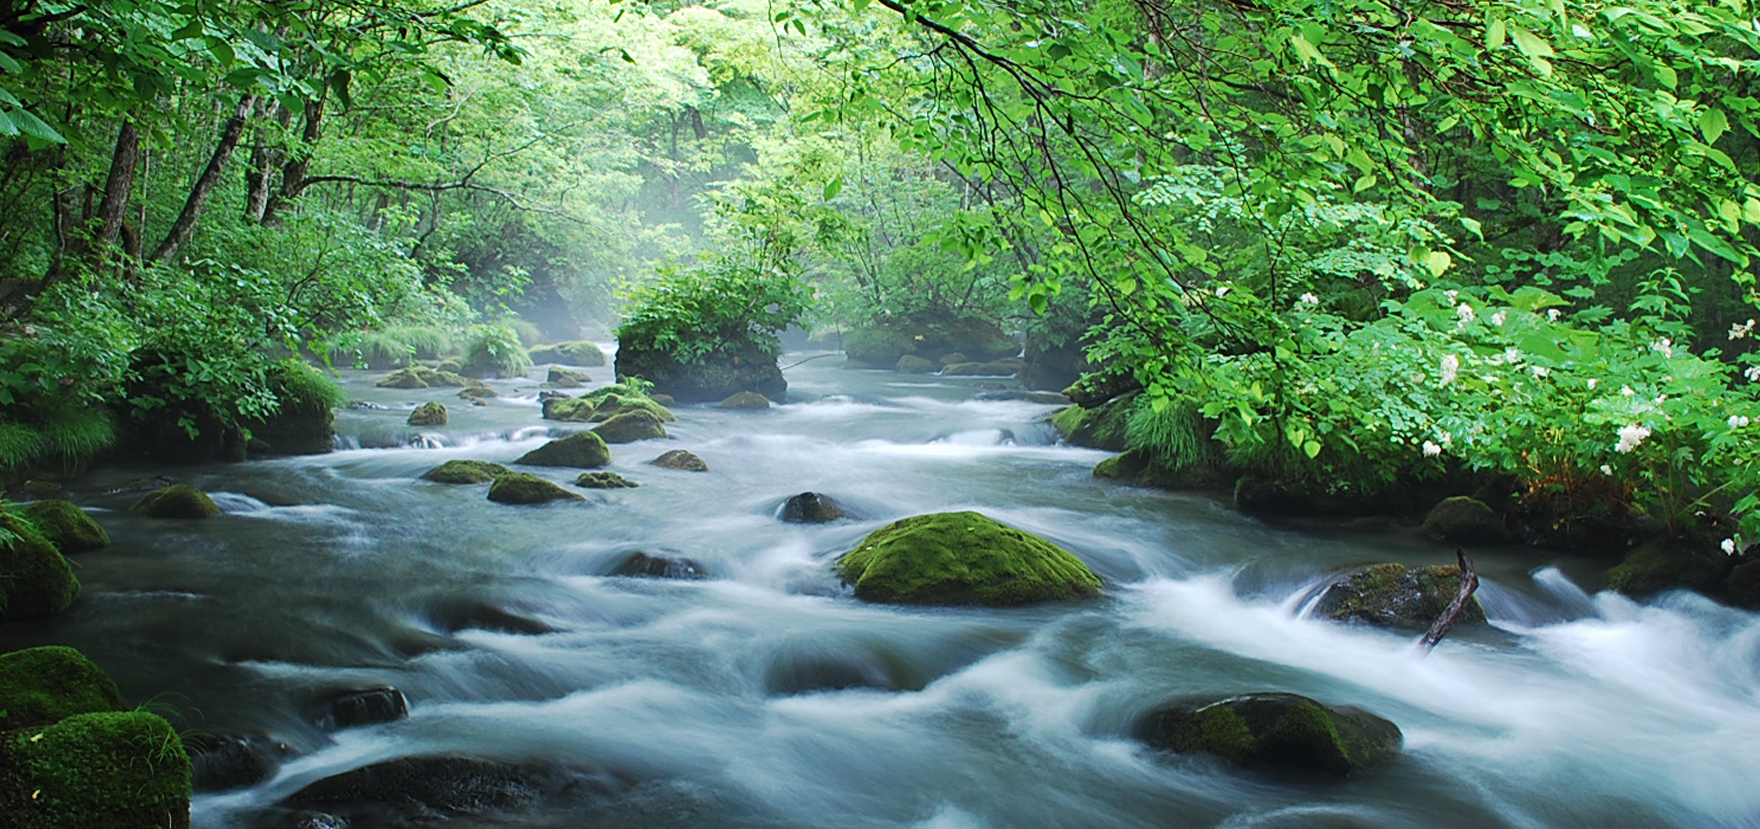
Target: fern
column 1174, row 434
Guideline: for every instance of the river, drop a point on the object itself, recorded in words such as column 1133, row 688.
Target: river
column 766, row 696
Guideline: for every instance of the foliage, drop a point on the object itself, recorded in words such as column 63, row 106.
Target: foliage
column 716, row 307
column 495, row 351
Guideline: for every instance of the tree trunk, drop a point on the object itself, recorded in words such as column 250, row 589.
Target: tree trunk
column 299, row 162
column 117, row 187
column 264, row 156
column 185, row 226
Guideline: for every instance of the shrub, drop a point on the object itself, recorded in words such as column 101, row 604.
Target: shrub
column 494, row 351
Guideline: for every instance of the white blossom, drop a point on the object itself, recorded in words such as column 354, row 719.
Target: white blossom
column 1451, row 295
column 1512, row 356
column 1738, row 421
column 1308, row 299
column 1431, row 449
column 1222, row 292
column 1540, row 371
column 1753, row 374
column 1737, row 332
column 1626, row 391
column 1500, row 317
column 1629, row 438
column 1592, row 382
column 1607, row 470
column 1451, row 366
column 1664, row 346
column 1729, row 546
column 1552, row 314
column 1465, row 312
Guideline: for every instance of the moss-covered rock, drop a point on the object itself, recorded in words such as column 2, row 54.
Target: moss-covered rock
column 642, row 565
column 629, row 427
column 604, row 480
column 1141, row 468
column 176, row 501
column 582, row 450
column 463, row 471
column 35, row 579
column 746, row 400
column 1669, row 564
column 477, row 393
column 681, row 460
column 812, row 508
column 430, row 413
column 1463, row 520
column 602, row 405
column 566, row 378
column 958, row 558
column 112, row 770
column 520, row 488
column 1275, row 731
column 995, row 368
column 1098, row 428
column 65, row 525
column 422, row 377
column 706, row 377
column 912, row 364
column 1396, row 596
column 41, row 685
column 577, row 353
column 305, row 421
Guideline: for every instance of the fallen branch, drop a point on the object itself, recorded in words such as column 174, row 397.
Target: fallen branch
column 1469, row 583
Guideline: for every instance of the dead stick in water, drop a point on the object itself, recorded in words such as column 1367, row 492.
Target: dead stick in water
column 1469, row 583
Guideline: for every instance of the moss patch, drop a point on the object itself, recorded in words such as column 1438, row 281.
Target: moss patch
column 629, row 427
column 430, row 413
column 604, row 480
column 1394, row 595
column 960, row 558
column 114, row 770
column 41, row 685
column 66, row 526
column 577, row 353
column 1097, row 428
column 681, row 460
column 35, row 579
column 748, row 400
column 176, row 501
column 1668, row 564
column 520, row 488
column 583, row 450
column 465, row 472
column 1275, row 730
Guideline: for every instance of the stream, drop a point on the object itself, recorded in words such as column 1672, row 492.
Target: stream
column 766, row 696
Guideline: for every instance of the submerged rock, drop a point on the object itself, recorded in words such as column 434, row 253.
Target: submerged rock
column 35, row 579
column 1668, row 564
column 176, row 501
column 1275, row 731
column 356, row 707
column 746, row 400
column 629, row 427
column 566, row 378
column 463, row 471
column 957, row 558
column 219, row 762
column 419, row 788
column 604, row 480
column 520, row 488
column 107, row 770
column 1396, row 596
column 430, row 413
column 663, row 567
column 812, row 508
column 65, row 525
column 576, row 353
column 912, row 364
column 41, row 685
column 1464, row 520
column 582, row 450
column 681, row 460
column 450, row 614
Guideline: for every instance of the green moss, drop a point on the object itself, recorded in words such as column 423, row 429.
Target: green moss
column 495, row 351
column 566, row 378
column 118, row 770
column 176, row 501
column 298, row 384
column 1276, row 730
column 1668, row 564
column 1463, row 520
column 604, row 480
column 1098, row 428
column 629, row 427
column 962, row 558
column 602, row 405
column 747, row 400
column 39, row 686
column 1215, row 730
column 463, row 471
column 583, row 450
column 1393, row 595
column 578, row 353
column 520, row 488
column 569, row 409
column 680, row 460
column 65, row 525
column 35, row 579
column 431, row 413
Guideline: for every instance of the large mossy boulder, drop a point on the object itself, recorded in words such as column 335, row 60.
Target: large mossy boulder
column 110, row 770
column 176, row 501
column 630, row 427
column 812, row 508
column 576, row 353
column 1464, row 520
column 464, row 471
column 42, row 685
column 1669, row 564
column 1006, row 367
column 304, row 423
column 520, row 488
column 35, row 579
column 1396, row 596
column 431, row 413
column 566, row 378
column 704, row 378
column 1101, row 427
column 65, row 525
column 680, row 460
column 582, row 450
column 1144, row 469
column 746, row 401
column 961, row 558
column 1275, row 731
column 928, row 338
column 912, row 364
column 603, row 404
column 422, row 377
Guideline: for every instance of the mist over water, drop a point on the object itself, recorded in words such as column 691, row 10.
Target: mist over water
column 765, row 696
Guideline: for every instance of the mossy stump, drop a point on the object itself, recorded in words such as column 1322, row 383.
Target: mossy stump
column 1396, row 596
column 462, row 471
column 629, row 427
column 110, row 770
column 961, row 558
column 42, row 685
column 176, row 501
column 520, row 488
column 431, row 413
column 66, row 526
column 35, row 579
column 583, row 450
column 1275, row 731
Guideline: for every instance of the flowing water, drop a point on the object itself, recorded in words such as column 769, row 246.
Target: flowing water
column 765, row 696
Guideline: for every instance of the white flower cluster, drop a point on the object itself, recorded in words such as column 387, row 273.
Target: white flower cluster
column 1432, row 449
column 1753, row 374
column 1308, row 299
column 1500, row 317
column 1737, row 332
column 1738, row 421
column 1629, row 438
column 1465, row 312
column 1664, row 346
column 1552, row 314
column 1451, row 366
column 1729, row 546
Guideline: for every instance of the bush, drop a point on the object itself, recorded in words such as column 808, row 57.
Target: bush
column 494, row 351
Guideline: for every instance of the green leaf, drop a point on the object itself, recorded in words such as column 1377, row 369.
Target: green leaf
column 8, row 64
column 1438, row 261
column 7, row 128
column 1713, row 124
column 1311, row 449
column 31, row 125
column 1531, row 44
column 1494, row 34
column 833, row 187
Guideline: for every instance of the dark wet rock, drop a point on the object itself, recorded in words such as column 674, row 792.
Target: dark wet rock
column 812, row 508
column 139, row 485
column 478, row 393
column 663, row 567
column 450, row 614
column 35, row 579
column 357, row 707
column 746, row 400
column 1463, row 520
column 791, row 674
column 1053, row 367
column 1669, row 564
column 1281, row 498
column 604, row 480
column 706, row 377
column 566, row 378
column 430, row 413
column 1275, row 731
column 959, row 558
column 1101, row 427
column 582, row 450
column 176, row 501
column 630, row 427
column 65, row 525
column 663, row 399
column 41, row 685
column 520, row 488
column 102, row 770
column 366, row 406
column 576, row 353
column 1744, row 584
column 952, row 358
column 422, row 789
column 995, row 368
column 1395, row 596
column 1049, row 398
column 1146, row 470
column 464, row 471
column 912, row 364
column 219, row 762
column 39, row 488
column 296, row 819
column 681, row 460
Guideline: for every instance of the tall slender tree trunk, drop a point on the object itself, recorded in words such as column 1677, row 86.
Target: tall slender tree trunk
column 112, row 211
column 185, row 226
column 299, row 161
column 264, row 157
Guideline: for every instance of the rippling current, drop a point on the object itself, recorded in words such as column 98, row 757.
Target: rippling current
column 765, row 696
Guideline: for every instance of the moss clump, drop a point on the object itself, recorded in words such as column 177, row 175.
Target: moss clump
column 912, row 364
column 631, row 426
column 520, row 488
column 65, row 525
column 113, row 770
column 746, row 400
column 39, row 686
column 602, row 405
column 465, row 472
column 1463, row 520
column 1097, row 428
column 960, row 558
column 1397, row 596
column 176, row 501
column 421, row 377
column 494, row 351
column 565, row 378
column 35, row 579
column 1275, row 730
column 577, row 353
column 430, row 413
column 681, row 460
column 604, row 480
column 582, row 450
column 1668, row 564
